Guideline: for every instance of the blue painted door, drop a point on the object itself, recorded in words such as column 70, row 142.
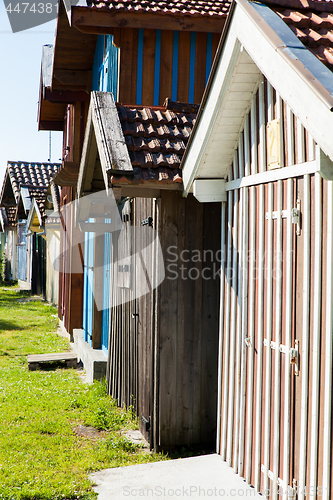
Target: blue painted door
column 106, row 290
column 88, row 291
column 22, row 250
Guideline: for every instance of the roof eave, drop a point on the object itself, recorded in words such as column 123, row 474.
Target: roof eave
column 248, row 26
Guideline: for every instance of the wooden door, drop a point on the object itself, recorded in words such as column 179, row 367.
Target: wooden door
column 278, row 353
column 259, row 341
column 145, row 222
column 106, row 289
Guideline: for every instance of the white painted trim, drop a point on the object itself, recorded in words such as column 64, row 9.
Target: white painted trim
column 221, row 324
column 227, row 331
column 251, row 334
column 260, row 308
column 288, row 326
column 209, row 190
column 316, row 334
column 273, row 175
column 254, row 139
column 305, row 337
column 247, row 157
column 278, row 322
column 291, row 137
column 262, row 127
column 268, row 365
column 327, row 455
column 279, row 107
column 233, row 333
column 245, row 246
column 239, row 330
column 280, row 53
column 300, row 142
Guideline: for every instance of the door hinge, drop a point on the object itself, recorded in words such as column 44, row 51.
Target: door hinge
column 293, row 352
column 146, row 422
column 147, row 222
column 294, row 357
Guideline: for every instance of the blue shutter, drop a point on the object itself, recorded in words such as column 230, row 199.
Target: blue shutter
column 88, row 292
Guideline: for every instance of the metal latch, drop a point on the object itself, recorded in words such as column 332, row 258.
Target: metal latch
column 147, row 222
column 146, row 422
column 294, row 357
column 296, row 217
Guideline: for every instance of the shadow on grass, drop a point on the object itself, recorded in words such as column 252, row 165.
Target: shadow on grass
column 9, row 325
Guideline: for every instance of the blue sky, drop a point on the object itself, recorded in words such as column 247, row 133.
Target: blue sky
column 20, row 60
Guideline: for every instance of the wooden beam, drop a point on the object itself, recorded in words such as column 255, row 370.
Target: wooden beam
column 67, row 175
column 133, row 192
column 65, row 96
column 87, row 20
column 76, row 78
column 49, row 125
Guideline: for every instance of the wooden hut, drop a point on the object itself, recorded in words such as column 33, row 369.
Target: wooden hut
column 264, row 133
column 25, row 182
column 143, row 58
column 162, row 341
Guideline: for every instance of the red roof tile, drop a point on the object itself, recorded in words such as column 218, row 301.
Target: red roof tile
column 156, row 139
column 30, row 174
column 312, row 23
column 196, row 8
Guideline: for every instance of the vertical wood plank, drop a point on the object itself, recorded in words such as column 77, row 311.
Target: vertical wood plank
column 239, row 330
column 127, row 71
column 268, row 357
column 221, row 330
column 148, row 66
column 245, row 279
column 254, row 138
column 278, row 311
column 200, row 66
column 232, row 329
column 327, row 454
column 184, row 66
column 260, row 309
column 316, row 334
column 288, row 330
column 262, row 127
column 251, row 334
column 166, row 65
column 227, row 331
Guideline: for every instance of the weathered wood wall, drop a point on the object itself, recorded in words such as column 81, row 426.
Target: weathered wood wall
column 172, row 64
column 163, row 344
column 188, row 323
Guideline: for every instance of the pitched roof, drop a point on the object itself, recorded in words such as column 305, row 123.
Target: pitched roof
column 28, row 174
column 196, row 8
column 312, row 23
column 156, row 139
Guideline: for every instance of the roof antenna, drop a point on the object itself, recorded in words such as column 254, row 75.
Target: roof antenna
column 50, row 142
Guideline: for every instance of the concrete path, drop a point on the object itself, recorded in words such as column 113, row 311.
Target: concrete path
column 195, row 478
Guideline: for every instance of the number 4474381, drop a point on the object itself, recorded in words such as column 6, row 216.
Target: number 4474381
column 36, row 8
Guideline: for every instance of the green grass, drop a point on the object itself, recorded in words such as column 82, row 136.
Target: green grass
column 41, row 454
